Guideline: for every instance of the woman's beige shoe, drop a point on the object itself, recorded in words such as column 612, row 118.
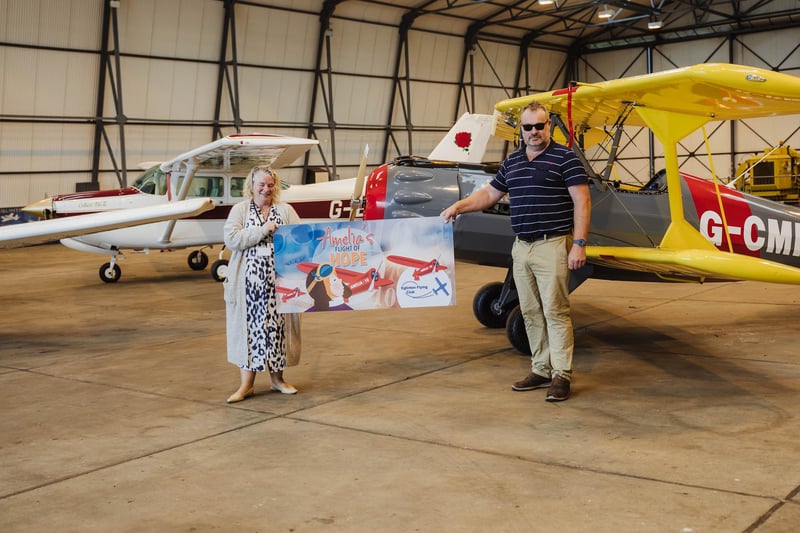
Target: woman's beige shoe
column 284, row 388
column 238, row 397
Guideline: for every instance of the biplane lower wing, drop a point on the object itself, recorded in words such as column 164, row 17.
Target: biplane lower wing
column 693, row 264
column 50, row 230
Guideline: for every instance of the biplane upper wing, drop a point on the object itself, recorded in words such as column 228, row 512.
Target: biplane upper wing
column 713, row 91
column 673, row 104
column 39, row 232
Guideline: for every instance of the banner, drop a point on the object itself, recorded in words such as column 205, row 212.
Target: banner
column 365, row 264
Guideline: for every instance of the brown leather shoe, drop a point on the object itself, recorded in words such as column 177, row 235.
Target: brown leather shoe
column 559, row 390
column 532, row 381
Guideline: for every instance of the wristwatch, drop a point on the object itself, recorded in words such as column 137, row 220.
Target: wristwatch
column 579, row 242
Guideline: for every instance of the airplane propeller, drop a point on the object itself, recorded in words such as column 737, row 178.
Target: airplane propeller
column 355, row 202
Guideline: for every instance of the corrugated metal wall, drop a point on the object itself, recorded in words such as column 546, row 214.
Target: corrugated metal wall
column 170, row 66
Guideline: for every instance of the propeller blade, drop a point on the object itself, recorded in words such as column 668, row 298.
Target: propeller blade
column 355, row 202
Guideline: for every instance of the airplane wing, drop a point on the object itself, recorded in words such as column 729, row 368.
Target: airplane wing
column 692, row 263
column 406, row 261
column 348, row 276
column 713, row 91
column 306, row 267
column 39, row 232
column 243, row 151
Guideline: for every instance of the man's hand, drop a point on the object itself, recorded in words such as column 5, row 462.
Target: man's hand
column 577, row 257
column 450, row 213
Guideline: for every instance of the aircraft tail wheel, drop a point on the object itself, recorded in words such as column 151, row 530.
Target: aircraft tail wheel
column 198, row 260
column 110, row 273
column 486, row 306
column 515, row 331
column 219, row 270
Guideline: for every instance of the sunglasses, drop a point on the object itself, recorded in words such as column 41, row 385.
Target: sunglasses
column 539, row 126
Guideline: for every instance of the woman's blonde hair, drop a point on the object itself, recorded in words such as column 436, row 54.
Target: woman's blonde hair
column 255, row 172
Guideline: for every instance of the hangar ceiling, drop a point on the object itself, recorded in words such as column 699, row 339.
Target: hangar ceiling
column 581, row 25
column 142, row 80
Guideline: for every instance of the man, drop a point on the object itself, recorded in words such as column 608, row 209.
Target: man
column 550, row 209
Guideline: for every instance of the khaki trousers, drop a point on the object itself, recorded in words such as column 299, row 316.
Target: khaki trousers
column 541, row 275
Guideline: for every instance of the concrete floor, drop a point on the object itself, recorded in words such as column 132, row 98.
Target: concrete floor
column 684, row 415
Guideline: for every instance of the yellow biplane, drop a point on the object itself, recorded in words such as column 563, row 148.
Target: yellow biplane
column 675, row 227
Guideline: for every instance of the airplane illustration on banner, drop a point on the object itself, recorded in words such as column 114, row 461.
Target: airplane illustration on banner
column 421, row 268
column 357, row 282
column 676, row 227
column 287, row 294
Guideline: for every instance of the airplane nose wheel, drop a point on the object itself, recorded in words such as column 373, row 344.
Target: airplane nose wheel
column 219, row 270
column 198, row 260
column 110, row 273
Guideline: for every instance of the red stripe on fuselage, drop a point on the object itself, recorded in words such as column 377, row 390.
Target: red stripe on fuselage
column 316, row 209
column 736, row 212
column 96, row 194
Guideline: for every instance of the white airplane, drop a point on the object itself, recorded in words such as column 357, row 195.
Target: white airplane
column 213, row 174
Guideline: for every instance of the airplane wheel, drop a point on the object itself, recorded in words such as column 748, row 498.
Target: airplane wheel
column 198, row 260
column 515, row 331
column 484, row 306
column 219, row 270
column 109, row 274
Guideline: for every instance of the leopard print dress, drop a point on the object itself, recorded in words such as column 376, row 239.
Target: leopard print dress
column 265, row 326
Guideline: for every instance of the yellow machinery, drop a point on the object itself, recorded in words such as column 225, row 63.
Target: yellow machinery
column 773, row 174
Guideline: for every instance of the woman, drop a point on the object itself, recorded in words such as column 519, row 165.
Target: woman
column 255, row 329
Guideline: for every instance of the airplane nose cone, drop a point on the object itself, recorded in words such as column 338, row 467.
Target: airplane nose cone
column 42, row 209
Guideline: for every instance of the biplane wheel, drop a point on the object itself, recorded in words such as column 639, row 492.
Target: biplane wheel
column 219, row 270
column 485, row 306
column 110, row 274
column 198, row 260
column 515, row 331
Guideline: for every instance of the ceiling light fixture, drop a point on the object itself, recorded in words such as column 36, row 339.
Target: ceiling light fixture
column 546, row 2
column 654, row 25
column 605, row 13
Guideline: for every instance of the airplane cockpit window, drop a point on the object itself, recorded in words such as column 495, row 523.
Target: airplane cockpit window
column 152, row 182
column 237, row 186
column 205, row 187
column 657, row 183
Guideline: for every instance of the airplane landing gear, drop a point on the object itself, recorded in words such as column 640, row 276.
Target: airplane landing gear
column 487, row 306
column 219, row 270
column 515, row 331
column 496, row 305
column 198, row 260
column 494, row 301
column 110, row 272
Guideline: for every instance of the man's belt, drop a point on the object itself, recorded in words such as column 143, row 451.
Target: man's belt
column 542, row 236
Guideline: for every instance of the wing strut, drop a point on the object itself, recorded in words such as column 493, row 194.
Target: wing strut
column 191, row 169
